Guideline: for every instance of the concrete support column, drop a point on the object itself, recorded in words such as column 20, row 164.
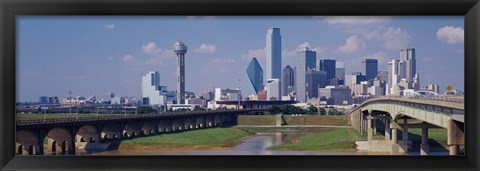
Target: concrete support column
column 71, row 147
column 424, row 148
column 405, row 134
column 369, row 128
column 453, row 150
column 361, row 123
column 387, row 129
column 394, row 147
column 39, row 148
column 374, row 122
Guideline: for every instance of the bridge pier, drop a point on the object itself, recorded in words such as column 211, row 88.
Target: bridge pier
column 369, row 128
column 387, row 129
column 395, row 147
column 404, row 143
column 424, row 147
column 456, row 137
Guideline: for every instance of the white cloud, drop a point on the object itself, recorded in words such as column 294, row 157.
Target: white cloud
column 352, row 44
column 110, row 58
column 109, row 26
column 128, row 57
column 206, row 48
column 450, row 34
column 151, row 48
column 357, row 19
column 306, row 44
column 258, row 53
column 392, row 38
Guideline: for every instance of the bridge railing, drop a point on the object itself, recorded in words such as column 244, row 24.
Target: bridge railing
column 438, row 98
column 129, row 116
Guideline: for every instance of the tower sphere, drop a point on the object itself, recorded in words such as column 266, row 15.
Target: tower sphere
column 179, row 47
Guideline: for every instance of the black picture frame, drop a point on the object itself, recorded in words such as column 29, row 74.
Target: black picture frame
column 9, row 9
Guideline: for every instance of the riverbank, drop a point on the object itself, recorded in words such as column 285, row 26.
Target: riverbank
column 338, row 139
column 203, row 139
column 332, row 120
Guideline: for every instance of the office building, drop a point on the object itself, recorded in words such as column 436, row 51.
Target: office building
column 227, row 94
column 433, row 88
column 255, row 74
column 152, row 89
column 313, row 81
column 383, row 75
column 288, row 80
column 273, row 52
column 180, row 49
column 354, row 78
column 335, row 95
column 273, row 89
column 340, row 70
column 306, row 60
column 408, row 55
column 396, row 71
column 370, row 68
column 43, row 99
column 328, row 65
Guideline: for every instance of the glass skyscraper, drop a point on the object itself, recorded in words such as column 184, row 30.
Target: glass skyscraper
column 288, row 80
column 327, row 65
column 306, row 59
column 273, row 51
column 255, row 74
column 370, row 68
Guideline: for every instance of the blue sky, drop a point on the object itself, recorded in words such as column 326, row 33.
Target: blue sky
column 95, row 55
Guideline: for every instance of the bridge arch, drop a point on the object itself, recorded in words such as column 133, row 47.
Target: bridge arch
column 112, row 131
column 28, row 143
column 150, row 127
column 132, row 129
column 88, row 133
column 60, row 141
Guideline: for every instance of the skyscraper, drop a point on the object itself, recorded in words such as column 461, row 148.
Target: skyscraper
column 408, row 55
column 273, row 51
column 180, row 49
column 340, row 70
column 327, row 65
column 273, row 89
column 306, row 59
column 288, row 80
column 255, row 74
column 151, row 88
column 370, row 68
column 313, row 81
column 396, row 71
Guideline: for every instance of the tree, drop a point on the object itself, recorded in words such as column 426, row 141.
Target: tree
column 198, row 108
column 333, row 112
column 312, row 110
column 145, row 110
column 274, row 109
column 322, row 111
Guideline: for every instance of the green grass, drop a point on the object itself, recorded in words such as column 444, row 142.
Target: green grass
column 437, row 138
column 294, row 120
column 339, row 120
column 212, row 137
column 341, row 139
column 256, row 119
column 58, row 115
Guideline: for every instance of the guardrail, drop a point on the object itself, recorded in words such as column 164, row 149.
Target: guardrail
column 129, row 116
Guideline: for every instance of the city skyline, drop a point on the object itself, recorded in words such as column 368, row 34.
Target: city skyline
column 111, row 54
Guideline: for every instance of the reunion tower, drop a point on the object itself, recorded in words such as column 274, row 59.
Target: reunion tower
column 180, row 49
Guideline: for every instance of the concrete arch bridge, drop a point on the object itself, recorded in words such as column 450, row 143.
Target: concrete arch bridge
column 64, row 135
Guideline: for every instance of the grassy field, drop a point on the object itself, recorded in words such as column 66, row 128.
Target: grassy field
column 206, row 139
column 339, row 120
column 294, row 120
column 256, row 119
column 437, row 138
column 341, row 139
column 58, row 115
